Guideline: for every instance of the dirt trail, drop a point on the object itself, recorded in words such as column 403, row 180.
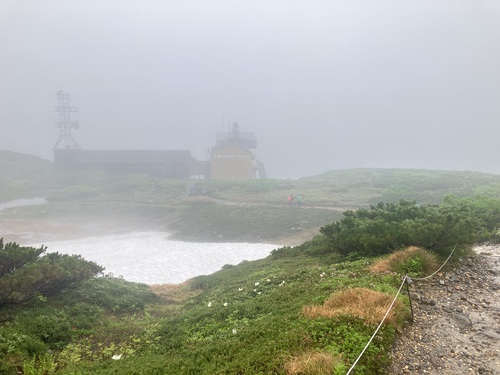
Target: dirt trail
column 456, row 328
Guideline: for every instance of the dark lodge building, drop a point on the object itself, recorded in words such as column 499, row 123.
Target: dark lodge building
column 232, row 158
column 163, row 163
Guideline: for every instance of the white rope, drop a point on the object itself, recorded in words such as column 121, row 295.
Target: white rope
column 380, row 325
column 439, row 269
column 392, row 304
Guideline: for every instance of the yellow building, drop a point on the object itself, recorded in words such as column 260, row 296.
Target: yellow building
column 231, row 162
column 234, row 156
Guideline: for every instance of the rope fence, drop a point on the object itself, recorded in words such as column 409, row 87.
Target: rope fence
column 380, row 325
column 439, row 269
column 406, row 280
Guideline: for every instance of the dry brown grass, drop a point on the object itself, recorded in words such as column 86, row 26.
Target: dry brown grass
column 174, row 293
column 396, row 261
column 369, row 305
column 312, row 363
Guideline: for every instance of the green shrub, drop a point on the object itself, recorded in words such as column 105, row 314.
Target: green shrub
column 42, row 365
column 132, row 183
column 50, row 325
column 77, row 192
column 15, row 343
column 114, row 294
column 388, row 227
column 84, row 316
column 27, row 276
column 14, row 256
column 286, row 251
column 16, row 347
column 349, row 335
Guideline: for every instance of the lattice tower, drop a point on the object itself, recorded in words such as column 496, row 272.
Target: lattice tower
column 65, row 124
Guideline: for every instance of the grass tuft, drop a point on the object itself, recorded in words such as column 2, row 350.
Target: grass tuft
column 312, row 363
column 175, row 293
column 412, row 260
column 366, row 304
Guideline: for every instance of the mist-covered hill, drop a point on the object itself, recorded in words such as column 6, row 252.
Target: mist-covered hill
column 216, row 210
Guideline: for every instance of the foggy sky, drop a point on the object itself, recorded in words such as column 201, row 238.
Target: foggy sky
column 322, row 84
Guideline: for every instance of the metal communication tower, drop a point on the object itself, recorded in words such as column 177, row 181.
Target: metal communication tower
column 65, row 124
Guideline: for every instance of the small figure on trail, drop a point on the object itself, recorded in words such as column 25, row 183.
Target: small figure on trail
column 192, row 189
column 299, row 201
column 290, row 200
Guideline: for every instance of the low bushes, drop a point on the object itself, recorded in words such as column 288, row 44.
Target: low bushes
column 388, row 227
column 26, row 275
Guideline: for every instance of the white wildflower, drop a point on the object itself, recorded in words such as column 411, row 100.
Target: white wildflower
column 257, row 284
column 225, row 304
column 210, row 304
column 116, row 357
column 240, row 289
column 234, row 331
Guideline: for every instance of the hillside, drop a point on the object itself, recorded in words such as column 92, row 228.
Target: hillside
column 22, row 175
column 247, row 211
column 310, row 308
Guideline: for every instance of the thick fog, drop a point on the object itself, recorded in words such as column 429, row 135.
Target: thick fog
column 322, row 84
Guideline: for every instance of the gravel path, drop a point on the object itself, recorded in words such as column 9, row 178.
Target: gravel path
column 456, row 328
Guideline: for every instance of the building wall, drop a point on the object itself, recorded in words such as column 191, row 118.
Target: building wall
column 161, row 163
column 232, row 163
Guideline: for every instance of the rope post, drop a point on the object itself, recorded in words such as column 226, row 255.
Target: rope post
column 409, row 297
column 378, row 327
column 406, row 280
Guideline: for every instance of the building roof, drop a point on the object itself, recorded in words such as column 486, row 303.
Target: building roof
column 125, row 156
column 241, row 139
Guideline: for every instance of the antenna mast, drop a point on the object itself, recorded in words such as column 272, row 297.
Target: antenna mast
column 65, row 124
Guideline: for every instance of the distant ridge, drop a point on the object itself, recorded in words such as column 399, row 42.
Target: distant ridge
column 17, row 157
column 21, row 170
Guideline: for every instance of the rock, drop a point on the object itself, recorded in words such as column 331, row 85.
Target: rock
column 461, row 336
column 491, row 334
column 415, row 296
column 494, row 272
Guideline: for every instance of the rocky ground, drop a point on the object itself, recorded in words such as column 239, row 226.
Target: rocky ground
column 456, row 328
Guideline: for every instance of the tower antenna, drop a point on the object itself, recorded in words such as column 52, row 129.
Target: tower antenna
column 65, row 124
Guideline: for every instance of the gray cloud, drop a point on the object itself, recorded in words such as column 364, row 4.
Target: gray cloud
column 322, row 84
